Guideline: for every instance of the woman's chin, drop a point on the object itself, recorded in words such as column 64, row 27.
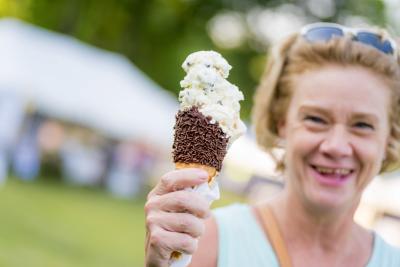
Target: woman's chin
column 326, row 202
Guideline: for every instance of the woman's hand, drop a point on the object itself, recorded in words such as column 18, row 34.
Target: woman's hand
column 174, row 217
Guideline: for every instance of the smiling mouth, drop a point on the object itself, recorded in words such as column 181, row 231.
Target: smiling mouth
column 333, row 173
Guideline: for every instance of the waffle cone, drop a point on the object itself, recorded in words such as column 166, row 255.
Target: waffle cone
column 175, row 255
column 212, row 172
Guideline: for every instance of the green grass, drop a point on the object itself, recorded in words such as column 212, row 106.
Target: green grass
column 46, row 224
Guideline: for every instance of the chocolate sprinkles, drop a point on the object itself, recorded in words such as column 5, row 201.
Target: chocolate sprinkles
column 196, row 140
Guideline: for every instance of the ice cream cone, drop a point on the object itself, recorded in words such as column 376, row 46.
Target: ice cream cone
column 207, row 122
column 175, row 255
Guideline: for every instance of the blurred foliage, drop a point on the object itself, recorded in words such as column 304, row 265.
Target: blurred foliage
column 157, row 35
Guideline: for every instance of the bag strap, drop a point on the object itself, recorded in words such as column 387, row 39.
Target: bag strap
column 274, row 235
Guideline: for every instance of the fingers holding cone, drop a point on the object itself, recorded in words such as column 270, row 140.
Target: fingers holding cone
column 212, row 172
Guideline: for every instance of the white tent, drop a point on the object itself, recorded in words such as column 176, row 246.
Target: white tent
column 70, row 80
column 247, row 155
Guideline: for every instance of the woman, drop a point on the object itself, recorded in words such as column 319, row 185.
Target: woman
column 331, row 98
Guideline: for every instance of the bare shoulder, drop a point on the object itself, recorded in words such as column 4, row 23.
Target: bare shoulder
column 207, row 252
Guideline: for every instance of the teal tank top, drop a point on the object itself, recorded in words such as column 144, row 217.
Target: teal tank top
column 242, row 242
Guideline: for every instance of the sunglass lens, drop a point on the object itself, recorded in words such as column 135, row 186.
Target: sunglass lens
column 375, row 41
column 323, row 34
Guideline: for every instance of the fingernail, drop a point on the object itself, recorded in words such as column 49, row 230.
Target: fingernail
column 203, row 174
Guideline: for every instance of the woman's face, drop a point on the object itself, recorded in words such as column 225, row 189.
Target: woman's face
column 336, row 130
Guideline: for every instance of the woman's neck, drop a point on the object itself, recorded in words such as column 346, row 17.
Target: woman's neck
column 300, row 223
column 331, row 237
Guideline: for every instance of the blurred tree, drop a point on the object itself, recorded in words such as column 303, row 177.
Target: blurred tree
column 157, row 35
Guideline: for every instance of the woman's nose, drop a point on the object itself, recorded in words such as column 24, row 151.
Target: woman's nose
column 336, row 143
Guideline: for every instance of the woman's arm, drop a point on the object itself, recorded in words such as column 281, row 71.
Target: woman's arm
column 207, row 251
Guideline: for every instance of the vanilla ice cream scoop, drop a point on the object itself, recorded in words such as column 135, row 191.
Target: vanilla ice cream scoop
column 205, row 86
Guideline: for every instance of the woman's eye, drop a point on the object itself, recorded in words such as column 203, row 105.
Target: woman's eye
column 315, row 119
column 364, row 125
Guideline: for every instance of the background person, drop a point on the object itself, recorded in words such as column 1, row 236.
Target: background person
column 12, row 109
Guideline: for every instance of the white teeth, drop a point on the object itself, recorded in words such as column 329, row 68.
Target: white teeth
column 325, row 170
column 342, row 171
column 331, row 171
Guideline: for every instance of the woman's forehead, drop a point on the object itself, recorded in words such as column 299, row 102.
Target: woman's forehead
column 340, row 81
column 348, row 88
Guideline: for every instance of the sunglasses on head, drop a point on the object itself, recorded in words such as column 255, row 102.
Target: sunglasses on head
column 321, row 31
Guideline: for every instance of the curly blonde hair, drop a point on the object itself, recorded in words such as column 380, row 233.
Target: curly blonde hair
column 295, row 55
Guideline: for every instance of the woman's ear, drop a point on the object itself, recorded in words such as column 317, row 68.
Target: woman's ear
column 282, row 128
column 281, row 133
